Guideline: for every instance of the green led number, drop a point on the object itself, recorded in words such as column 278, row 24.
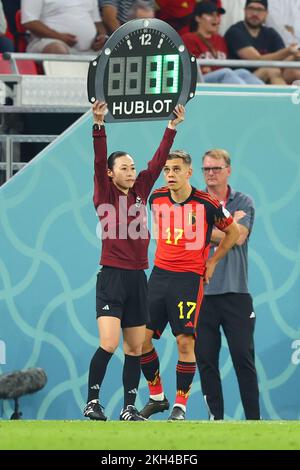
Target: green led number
column 153, row 75
column 170, row 74
column 161, row 75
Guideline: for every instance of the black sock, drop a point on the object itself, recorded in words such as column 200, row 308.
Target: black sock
column 185, row 372
column 150, row 369
column 150, row 365
column 131, row 378
column 97, row 371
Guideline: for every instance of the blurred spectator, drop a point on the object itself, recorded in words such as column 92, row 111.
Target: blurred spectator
column 10, row 9
column 177, row 13
column 141, row 9
column 235, row 11
column 6, row 44
column 284, row 16
column 116, row 12
column 251, row 40
column 205, row 42
column 56, row 27
column 3, row 23
column 219, row 3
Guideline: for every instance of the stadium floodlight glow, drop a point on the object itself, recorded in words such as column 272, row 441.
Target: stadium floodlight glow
column 143, row 72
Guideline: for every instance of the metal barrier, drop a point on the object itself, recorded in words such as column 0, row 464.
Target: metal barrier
column 250, row 63
column 13, row 56
column 7, row 142
column 21, row 86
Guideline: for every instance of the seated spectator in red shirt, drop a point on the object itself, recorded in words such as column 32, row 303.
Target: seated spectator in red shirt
column 204, row 42
column 177, row 13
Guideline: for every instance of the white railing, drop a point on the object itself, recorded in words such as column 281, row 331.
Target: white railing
column 13, row 56
column 249, row 63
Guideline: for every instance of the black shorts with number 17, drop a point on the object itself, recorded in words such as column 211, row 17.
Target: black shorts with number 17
column 175, row 298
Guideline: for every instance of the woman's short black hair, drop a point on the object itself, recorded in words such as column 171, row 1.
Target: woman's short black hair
column 113, row 157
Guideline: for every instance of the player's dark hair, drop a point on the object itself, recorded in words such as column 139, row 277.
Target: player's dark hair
column 180, row 154
column 113, row 157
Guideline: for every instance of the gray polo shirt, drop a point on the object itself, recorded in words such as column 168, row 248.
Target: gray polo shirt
column 231, row 274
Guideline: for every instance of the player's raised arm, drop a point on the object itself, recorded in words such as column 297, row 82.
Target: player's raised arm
column 99, row 109
column 179, row 112
column 101, row 179
column 147, row 178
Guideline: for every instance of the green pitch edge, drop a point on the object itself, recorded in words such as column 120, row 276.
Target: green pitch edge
column 115, row 435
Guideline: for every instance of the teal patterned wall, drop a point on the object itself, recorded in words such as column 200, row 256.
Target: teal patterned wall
column 49, row 254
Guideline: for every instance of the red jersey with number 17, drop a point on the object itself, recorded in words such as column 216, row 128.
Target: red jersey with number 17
column 183, row 230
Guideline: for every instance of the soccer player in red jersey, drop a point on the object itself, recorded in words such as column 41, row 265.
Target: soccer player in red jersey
column 120, row 198
column 183, row 220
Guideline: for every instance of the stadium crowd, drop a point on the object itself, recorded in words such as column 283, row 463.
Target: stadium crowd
column 212, row 29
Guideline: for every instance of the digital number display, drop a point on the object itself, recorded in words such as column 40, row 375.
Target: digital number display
column 161, row 75
column 143, row 72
